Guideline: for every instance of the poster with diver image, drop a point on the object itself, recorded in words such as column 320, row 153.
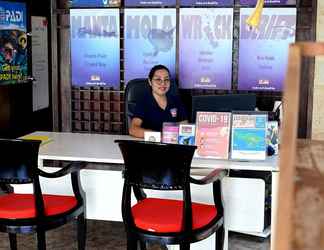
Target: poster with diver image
column 94, row 3
column 95, row 54
column 13, row 42
column 150, row 39
column 263, row 52
column 205, row 3
column 268, row 2
column 205, row 48
column 149, row 3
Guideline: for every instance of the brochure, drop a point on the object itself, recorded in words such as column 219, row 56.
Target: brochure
column 212, row 134
column 249, row 135
column 170, row 132
column 187, row 134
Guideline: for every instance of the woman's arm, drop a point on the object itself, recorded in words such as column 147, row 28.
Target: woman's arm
column 135, row 128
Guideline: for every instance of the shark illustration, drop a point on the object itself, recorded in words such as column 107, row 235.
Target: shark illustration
column 162, row 41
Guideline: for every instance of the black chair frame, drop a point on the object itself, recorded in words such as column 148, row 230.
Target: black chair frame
column 184, row 154
column 26, row 171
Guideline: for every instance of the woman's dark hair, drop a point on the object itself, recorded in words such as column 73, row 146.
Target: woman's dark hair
column 156, row 68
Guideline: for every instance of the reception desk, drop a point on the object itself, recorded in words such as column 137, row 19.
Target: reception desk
column 103, row 181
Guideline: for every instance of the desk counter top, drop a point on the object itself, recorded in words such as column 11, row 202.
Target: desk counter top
column 100, row 148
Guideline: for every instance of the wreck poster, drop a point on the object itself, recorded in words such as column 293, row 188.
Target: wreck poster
column 207, row 35
column 13, row 42
column 95, row 47
column 150, row 39
column 263, row 52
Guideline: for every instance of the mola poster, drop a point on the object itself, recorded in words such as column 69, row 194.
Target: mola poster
column 205, row 48
column 95, row 47
column 150, row 39
column 205, row 3
column 263, row 52
column 149, row 3
column 13, row 42
column 268, row 2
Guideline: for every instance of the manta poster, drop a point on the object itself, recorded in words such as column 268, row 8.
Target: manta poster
column 263, row 52
column 95, row 47
column 268, row 2
column 149, row 3
column 218, row 3
column 13, row 42
column 94, row 3
column 150, row 39
column 205, row 48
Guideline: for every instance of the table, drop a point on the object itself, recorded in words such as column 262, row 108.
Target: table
column 99, row 148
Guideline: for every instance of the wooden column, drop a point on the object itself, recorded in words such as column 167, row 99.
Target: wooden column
column 300, row 216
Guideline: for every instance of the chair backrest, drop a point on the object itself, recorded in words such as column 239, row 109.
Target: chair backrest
column 18, row 160
column 135, row 90
column 223, row 103
column 156, row 165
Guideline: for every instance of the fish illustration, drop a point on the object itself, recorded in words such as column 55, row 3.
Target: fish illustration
column 210, row 36
column 162, row 41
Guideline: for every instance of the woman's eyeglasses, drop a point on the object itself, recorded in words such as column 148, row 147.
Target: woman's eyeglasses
column 159, row 81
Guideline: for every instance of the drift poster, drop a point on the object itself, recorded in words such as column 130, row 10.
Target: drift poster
column 263, row 52
column 94, row 3
column 205, row 48
column 95, row 47
column 205, row 3
column 268, row 2
column 13, row 42
column 149, row 3
column 150, row 39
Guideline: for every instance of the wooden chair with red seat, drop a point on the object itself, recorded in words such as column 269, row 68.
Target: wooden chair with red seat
column 36, row 212
column 166, row 167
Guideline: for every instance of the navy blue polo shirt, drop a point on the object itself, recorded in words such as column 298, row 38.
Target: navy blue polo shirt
column 153, row 116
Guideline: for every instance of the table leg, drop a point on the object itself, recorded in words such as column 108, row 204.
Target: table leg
column 274, row 203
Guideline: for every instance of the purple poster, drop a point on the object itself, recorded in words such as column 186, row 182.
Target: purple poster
column 205, row 48
column 263, row 52
column 149, row 3
column 150, row 39
column 95, row 47
column 206, row 3
column 268, row 2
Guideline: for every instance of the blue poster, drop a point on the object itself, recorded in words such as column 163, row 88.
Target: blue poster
column 94, row 3
column 150, row 39
column 95, row 47
column 205, row 48
column 201, row 3
column 13, row 42
column 148, row 3
column 263, row 52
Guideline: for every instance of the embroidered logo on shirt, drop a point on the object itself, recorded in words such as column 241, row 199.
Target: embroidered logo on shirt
column 173, row 112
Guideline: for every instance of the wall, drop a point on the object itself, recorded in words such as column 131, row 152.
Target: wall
column 67, row 118
column 318, row 113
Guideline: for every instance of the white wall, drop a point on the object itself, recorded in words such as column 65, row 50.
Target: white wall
column 318, row 111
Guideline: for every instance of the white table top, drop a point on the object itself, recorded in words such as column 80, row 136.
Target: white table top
column 101, row 148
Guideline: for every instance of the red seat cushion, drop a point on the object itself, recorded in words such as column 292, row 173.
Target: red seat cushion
column 20, row 206
column 163, row 215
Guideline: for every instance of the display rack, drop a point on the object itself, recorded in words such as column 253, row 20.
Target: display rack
column 97, row 110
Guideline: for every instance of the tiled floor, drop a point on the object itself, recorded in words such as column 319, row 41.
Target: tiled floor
column 110, row 235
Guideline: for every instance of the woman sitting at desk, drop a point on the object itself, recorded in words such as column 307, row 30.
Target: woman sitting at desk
column 157, row 106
